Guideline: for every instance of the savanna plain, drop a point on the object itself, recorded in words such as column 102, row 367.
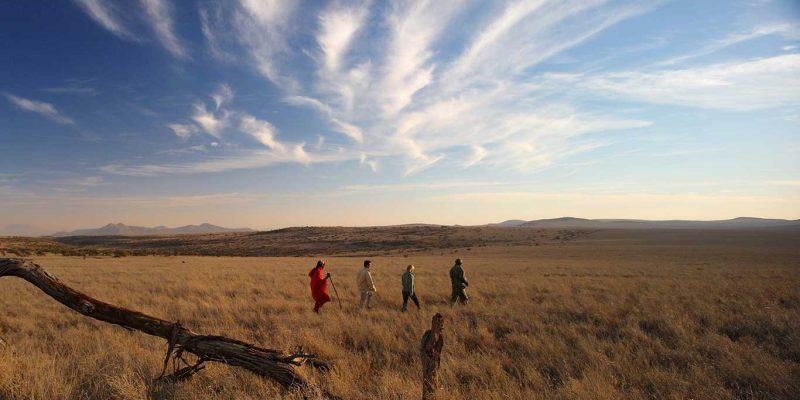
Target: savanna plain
column 617, row 314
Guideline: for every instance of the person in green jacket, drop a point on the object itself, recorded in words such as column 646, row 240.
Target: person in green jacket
column 408, row 288
column 459, row 283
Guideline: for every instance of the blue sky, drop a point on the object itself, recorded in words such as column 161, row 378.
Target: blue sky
column 278, row 113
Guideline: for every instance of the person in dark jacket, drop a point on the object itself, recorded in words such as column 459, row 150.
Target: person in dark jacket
column 408, row 288
column 459, row 283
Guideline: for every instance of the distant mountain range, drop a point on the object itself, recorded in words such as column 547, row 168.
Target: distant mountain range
column 570, row 222
column 120, row 229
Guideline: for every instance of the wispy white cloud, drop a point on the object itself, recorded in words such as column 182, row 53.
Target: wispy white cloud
column 159, row 16
column 75, row 86
column 484, row 99
column 371, row 163
column 183, row 131
column 156, row 13
column 300, row 154
column 478, row 154
column 92, row 181
column 397, row 90
column 404, row 81
column 262, row 28
column 513, row 14
column 41, row 108
column 263, row 131
column 414, row 27
column 198, row 148
column 226, row 123
column 73, row 184
column 338, row 25
column 340, row 77
column 346, row 128
column 421, row 162
column 213, row 123
column 747, row 85
column 526, row 33
column 223, row 95
column 786, row 30
column 104, row 13
column 208, row 17
column 236, row 160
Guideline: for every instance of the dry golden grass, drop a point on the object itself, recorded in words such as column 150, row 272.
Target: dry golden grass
column 614, row 316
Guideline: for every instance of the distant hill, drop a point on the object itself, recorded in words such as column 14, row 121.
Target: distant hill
column 387, row 240
column 120, row 229
column 305, row 241
column 571, row 222
column 509, row 223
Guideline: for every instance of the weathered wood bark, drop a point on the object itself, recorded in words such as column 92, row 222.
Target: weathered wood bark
column 430, row 353
column 267, row 363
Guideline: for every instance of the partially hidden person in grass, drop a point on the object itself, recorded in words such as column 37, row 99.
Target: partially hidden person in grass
column 365, row 285
column 459, row 283
column 319, row 285
column 408, row 287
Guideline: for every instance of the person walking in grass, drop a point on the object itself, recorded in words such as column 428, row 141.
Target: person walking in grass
column 408, row 287
column 365, row 285
column 459, row 284
column 319, row 285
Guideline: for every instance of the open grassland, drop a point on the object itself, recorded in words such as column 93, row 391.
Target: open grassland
column 613, row 315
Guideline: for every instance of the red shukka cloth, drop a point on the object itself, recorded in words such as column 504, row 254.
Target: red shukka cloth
column 319, row 287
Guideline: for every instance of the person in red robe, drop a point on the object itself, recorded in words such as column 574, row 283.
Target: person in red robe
column 319, row 285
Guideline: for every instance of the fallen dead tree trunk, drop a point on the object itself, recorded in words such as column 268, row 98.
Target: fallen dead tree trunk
column 267, row 363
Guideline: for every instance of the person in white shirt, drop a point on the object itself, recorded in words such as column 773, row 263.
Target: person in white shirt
column 365, row 285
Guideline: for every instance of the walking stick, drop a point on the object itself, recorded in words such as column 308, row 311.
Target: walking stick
column 338, row 300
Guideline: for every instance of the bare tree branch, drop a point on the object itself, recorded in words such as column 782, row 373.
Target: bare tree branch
column 267, row 363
